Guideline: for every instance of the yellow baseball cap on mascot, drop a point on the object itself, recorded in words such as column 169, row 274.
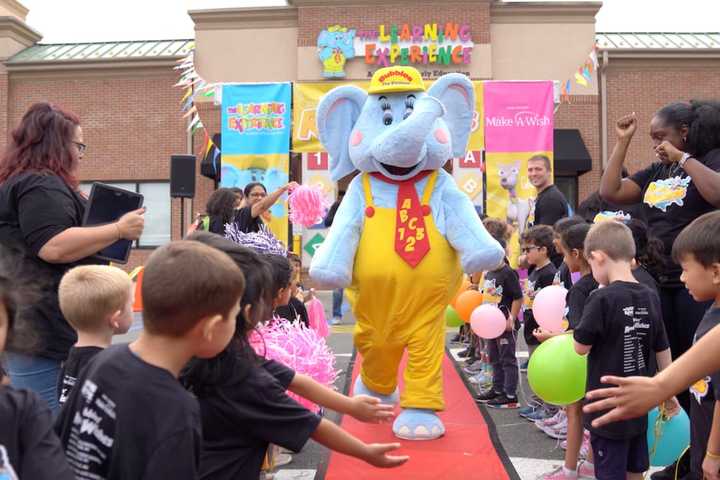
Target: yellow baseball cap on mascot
column 396, row 79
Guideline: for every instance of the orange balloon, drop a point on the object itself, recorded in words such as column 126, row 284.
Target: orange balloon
column 467, row 302
column 463, row 287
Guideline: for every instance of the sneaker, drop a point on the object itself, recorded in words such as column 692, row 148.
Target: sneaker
column 554, row 420
column 486, row 396
column 282, row 459
column 465, row 353
column 524, row 412
column 586, row 470
column 524, row 366
column 474, row 367
column 539, row 414
column 335, row 321
column 682, row 465
column 558, row 431
column 480, row 379
column 455, row 339
column 503, row 401
column 559, row 474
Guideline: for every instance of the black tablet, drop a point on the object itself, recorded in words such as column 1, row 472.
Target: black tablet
column 106, row 205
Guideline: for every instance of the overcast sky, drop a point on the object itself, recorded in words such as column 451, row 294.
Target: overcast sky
column 106, row 20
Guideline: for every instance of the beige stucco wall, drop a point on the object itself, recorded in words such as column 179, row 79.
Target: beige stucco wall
column 247, row 55
column 13, row 8
column 542, row 51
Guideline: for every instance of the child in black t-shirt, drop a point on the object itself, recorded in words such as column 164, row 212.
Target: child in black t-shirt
column 29, row 447
column 96, row 300
column 501, row 287
column 295, row 309
column 622, row 331
column 572, row 246
column 128, row 408
column 243, row 398
column 563, row 276
column 537, row 245
column 697, row 250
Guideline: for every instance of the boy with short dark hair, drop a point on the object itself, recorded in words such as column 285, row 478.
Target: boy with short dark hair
column 622, row 330
column 537, row 246
column 129, row 417
column 96, row 300
column 697, row 250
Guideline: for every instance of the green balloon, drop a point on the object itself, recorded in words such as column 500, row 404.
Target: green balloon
column 556, row 373
column 452, row 318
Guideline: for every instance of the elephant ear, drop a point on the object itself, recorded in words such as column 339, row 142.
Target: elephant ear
column 456, row 92
column 337, row 113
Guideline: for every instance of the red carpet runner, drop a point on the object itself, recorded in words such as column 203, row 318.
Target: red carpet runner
column 465, row 452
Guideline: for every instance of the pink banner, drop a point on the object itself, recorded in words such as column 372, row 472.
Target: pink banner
column 518, row 116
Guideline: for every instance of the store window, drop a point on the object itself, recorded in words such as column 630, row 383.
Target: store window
column 157, row 215
column 568, row 185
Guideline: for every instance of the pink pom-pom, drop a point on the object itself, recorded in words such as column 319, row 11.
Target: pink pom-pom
column 300, row 348
column 307, row 205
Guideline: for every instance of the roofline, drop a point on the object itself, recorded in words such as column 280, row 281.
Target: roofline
column 95, row 64
column 19, row 30
column 250, row 17
column 538, row 12
column 663, row 53
column 51, row 44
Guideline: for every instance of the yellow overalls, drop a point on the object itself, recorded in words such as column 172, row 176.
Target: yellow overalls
column 398, row 307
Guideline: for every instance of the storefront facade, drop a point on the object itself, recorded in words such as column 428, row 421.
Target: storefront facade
column 124, row 91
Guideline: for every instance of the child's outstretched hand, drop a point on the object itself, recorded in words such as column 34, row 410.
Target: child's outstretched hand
column 631, row 398
column 369, row 409
column 376, row 455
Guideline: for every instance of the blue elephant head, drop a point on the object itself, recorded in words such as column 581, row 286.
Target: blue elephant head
column 396, row 128
column 336, row 37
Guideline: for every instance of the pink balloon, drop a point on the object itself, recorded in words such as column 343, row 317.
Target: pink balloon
column 487, row 321
column 549, row 308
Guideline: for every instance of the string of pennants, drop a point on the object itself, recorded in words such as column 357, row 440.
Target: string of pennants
column 194, row 86
column 583, row 75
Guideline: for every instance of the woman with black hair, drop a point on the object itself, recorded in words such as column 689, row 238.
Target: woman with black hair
column 681, row 185
column 257, row 202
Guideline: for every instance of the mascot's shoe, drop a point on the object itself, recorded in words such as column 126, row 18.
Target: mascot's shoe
column 361, row 389
column 418, row 424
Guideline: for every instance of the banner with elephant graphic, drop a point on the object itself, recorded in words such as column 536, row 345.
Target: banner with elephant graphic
column 255, row 147
column 518, row 125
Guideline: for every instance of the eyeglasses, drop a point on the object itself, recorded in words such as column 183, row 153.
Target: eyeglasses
column 80, row 146
column 527, row 249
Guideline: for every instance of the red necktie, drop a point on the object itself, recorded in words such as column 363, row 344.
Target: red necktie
column 411, row 240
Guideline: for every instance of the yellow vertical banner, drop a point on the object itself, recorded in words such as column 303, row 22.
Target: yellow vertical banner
column 468, row 169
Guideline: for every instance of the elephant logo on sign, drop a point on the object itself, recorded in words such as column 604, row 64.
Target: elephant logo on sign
column 335, row 46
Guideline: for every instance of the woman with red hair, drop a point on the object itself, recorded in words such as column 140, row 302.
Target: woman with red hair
column 41, row 213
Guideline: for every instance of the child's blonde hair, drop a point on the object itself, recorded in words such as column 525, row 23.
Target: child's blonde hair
column 89, row 293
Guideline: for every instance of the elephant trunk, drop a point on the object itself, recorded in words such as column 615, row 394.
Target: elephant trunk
column 405, row 145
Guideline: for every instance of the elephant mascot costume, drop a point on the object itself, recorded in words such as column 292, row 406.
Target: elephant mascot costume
column 404, row 232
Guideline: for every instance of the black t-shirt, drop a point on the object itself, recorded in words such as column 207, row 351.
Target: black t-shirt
column 246, row 223
column 623, row 324
column 33, row 209
column 294, row 310
column 27, row 439
column 644, row 277
column 135, row 418
column 577, row 298
column 536, row 281
column 671, row 201
column 244, row 415
column 550, row 206
column 563, row 277
column 76, row 361
column 501, row 288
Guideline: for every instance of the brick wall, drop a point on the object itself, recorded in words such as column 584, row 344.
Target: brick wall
column 314, row 19
column 583, row 113
column 131, row 123
column 644, row 90
column 4, row 132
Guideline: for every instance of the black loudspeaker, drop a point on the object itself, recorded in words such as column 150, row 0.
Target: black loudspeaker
column 182, row 176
